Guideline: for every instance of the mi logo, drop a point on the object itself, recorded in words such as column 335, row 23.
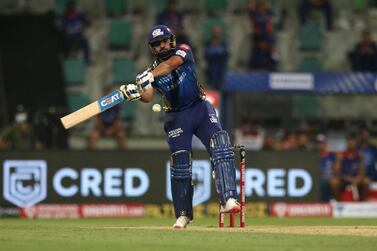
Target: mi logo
column 157, row 32
column 24, row 181
column 201, row 178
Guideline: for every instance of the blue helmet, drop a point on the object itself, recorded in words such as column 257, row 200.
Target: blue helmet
column 158, row 33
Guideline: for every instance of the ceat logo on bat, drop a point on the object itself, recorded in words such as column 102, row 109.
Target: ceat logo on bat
column 110, row 100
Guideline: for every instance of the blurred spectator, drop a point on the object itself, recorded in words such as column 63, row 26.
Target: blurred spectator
column 108, row 124
column 289, row 141
column 303, row 141
column 73, row 24
column 369, row 152
column 307, row 6
column 20, row 135
column 260, row 15
column 250, row 134
column 173, row 18
column 364, row 56
column 327, row 162
column 349, row 171
column 262, row 56
column 271, row 143
column 216, row 54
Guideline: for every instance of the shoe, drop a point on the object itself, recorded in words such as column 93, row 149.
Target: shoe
column 231, row 206
column 181, row 222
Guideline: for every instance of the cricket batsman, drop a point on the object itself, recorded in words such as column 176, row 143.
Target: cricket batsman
column 173, row 75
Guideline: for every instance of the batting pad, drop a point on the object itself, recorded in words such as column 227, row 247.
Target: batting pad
column 181, row 183
column 223, row 162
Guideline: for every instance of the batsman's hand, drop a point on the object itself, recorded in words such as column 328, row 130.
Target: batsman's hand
column 144, row 80
column 130, row 92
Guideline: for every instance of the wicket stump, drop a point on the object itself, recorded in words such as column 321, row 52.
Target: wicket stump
column 242, row 193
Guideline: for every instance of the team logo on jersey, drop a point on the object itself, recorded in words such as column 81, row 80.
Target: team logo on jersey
column 201, row 178
column 157, row 32
column 25, row 181
column 181, row 53
column 213, row 118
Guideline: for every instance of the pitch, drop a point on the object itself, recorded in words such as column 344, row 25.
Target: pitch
column 156, row 234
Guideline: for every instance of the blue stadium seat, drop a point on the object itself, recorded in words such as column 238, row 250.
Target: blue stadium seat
column 129, row 111
column 160, row 5
column 123, row 70
column 115, row 7
column 59, row 7
column 120, row 34
column 74, row 71
column 310, row 37
column 309, row 65
column 305, row 106
column 77, row 101
column 215, row 5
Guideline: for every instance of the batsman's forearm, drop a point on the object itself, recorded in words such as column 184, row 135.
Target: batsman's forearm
column 162, row 69
column 147, row 95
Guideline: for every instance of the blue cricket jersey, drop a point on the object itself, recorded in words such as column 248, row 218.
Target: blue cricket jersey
column 180, row 89
column 350, row 163
column 327, row 160
column 109, row 116
column 370, row 161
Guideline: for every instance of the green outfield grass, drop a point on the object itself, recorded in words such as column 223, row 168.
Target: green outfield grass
column 156, row 234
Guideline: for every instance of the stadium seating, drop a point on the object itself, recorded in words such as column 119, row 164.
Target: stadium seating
column 123, row 70
column 59, row 7
column 305, row 106
column 309, row 65
column 115, row 7
column 361, row 4
column 120, row 34
column 310, row 37
column 129, row 111
column 129, row 114
column 160, row 5
column 74, row 71
column 77, row 101
column 213, row 6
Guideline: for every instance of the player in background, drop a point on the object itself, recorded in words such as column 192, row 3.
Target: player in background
column 173, row 76
column 326, row 164
column 369, row 153
column 350, row 171
column 108, row 124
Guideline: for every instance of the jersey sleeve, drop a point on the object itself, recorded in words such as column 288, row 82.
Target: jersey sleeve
column 183, row 51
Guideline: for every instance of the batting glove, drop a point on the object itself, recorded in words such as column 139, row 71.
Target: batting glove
column 130, row 92
column 145, row 80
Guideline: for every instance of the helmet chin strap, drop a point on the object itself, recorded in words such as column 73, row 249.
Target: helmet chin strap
column 165, row 55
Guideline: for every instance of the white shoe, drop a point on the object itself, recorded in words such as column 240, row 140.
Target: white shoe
column 231, row 206
column 181, row 222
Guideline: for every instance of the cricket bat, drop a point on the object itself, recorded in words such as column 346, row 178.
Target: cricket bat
column 91, row 110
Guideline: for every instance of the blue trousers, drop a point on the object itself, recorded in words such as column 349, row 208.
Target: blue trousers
column 200, row 120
